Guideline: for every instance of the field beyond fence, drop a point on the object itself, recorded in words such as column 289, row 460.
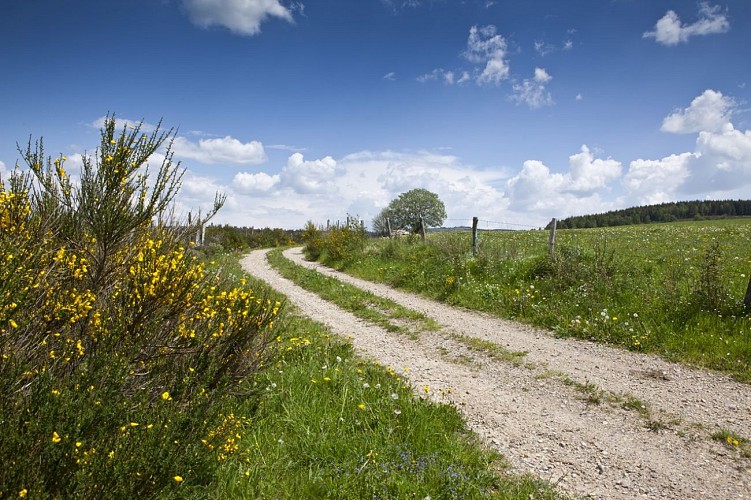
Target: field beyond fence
column 676, row 289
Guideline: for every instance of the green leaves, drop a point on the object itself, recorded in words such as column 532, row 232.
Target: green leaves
column 413, row 208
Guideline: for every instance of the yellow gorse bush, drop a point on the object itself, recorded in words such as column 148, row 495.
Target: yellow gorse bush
column 103, row 311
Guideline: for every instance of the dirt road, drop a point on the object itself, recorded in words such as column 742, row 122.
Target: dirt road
column 600, row 422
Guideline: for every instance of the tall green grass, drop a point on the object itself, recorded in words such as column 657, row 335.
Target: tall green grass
column 673, row 289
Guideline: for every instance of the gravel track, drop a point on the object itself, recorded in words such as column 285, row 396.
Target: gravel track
column 559, row 413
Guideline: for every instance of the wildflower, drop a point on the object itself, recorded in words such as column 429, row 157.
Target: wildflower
column 426, row 388
column 178, row 479
column 166, row 396
column 361, row 406
column 366, row 385
column 397, row 411
column 394, row 396
column 56, row 437
column 326, row 379
column 13, row 324
column 23, row 493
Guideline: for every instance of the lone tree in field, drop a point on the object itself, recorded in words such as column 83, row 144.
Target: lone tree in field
column 410, row 208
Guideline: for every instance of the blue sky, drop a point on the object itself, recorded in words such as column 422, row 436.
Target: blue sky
column 511, row 111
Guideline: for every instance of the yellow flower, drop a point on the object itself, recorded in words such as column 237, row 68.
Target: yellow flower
column 13, row 324
column 23, row 493
column 361, row 406
column 166, row 396
column 56, row 437
column 178, row 479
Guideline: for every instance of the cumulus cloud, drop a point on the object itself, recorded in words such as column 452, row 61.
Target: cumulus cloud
column 657, row 181
column 669, row 30
column 242, row 17
column 533, row 91
column 708, row 112
column 316, row 176
column 536, row 188
column 587, row 173
column 485, row 46
column 255, row 183
column 220, row 150
column 720, row 163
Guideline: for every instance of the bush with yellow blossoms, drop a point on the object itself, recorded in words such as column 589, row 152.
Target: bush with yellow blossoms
column 119, row 350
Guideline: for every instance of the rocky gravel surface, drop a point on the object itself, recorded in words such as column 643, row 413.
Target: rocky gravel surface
column 596, row 421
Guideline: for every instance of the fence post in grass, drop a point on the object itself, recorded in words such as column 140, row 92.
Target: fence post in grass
column 422, row 228
column 747, row 300
column 388, row 227
column 475, row 220
column 551, row 239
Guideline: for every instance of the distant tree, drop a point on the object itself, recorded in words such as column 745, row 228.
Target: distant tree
column 406, row 211
column 380, row 223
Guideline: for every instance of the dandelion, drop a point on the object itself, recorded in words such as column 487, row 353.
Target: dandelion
column 426, row 388
column 56, row 437
column 178, row 479
column 23, row 493
column 166, row 396
column 327, row 379
column 362, row 406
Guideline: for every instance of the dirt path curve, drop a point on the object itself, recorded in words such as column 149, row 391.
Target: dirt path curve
column 559, row 414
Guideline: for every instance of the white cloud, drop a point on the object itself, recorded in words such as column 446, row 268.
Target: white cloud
column 446, row 76
column 546, row 48
column 708, row 112
column 484, row 46
column 720, row 163
column 551, row 194
column 260, row 182
column 390, row 76
column 533, row 91
column 669, row 30
column 220, row 150
column 242, row 17
column 316, row 176
column 657, row 181
column 588, row 174
column 579, row 97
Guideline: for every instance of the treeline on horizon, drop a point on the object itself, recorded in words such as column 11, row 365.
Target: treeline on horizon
column 230, row 238
column 663, row 212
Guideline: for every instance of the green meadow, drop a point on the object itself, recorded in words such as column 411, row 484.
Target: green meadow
column 675, row 289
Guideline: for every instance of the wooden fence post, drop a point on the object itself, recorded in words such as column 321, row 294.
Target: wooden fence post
column 475, row 220
column 388, row 226
column 422, row 228
column 551, row 240
column 747, row 300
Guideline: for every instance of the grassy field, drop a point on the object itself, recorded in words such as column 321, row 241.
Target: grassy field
column 673, row 289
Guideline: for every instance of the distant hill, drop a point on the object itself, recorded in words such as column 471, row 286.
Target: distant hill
column 664, row 212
